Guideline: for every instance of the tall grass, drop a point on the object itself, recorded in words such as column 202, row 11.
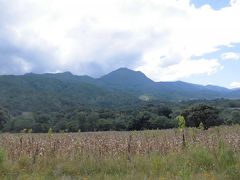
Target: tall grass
column 212, row 154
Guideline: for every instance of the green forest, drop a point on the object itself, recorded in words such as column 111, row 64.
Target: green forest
column 145, row 115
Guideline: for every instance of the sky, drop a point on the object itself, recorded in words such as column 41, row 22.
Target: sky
column 168, row 40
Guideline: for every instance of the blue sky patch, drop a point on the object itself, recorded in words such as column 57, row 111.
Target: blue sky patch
column 228, row 74
column 215, row 4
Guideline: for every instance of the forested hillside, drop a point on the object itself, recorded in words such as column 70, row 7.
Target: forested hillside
column 121, row 100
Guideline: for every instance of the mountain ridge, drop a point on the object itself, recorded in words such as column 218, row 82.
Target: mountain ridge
column 122, row 69
column 31, row 91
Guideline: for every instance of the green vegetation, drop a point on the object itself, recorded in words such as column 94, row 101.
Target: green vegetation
column 145, row 115
column 202, row 113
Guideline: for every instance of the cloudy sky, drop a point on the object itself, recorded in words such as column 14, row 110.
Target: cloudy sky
column 194, row 41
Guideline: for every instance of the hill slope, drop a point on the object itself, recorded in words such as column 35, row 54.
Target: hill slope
column 137, row 83
column 50, row 92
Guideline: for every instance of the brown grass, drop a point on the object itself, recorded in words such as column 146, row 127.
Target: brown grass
column 113, row 144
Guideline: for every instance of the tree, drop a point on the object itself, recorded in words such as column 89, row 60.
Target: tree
column 142, row 121
column 104, row 124
column 181, row 125
column 23, row 121
column 163, row 110
column 235, row 117
column 181, row 122
column 92, row 121
column 160, row 122
column 42, row 123
column 202, row 113
column 4, row 117
column 120, row 124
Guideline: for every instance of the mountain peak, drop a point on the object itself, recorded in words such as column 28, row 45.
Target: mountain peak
column 124, row 77
column 125, row 74
column 124, row 69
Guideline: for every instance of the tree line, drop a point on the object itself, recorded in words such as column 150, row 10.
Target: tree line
column 148, row 115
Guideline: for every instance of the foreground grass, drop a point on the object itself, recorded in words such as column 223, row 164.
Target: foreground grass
column 195, row 161
column 191, row 163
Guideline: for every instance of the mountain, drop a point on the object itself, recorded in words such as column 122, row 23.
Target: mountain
column 187, row 91
column 124, row 77
column 65, row 77
column 128, row 80
column 137, row 83
column 216, row 88
column 50, row 92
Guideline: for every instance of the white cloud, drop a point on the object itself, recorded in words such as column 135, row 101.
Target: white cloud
column 230, row 56
column 23, row 64
column 235, row 84
column 183, row 69
column 163, row 35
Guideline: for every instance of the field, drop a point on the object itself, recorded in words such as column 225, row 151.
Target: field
column 159, row 154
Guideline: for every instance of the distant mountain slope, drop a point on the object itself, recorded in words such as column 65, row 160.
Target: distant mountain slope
column 234, row 94
column 184, row 91
column 49, row 92
column 137, row 83
column 216, row 88
column 65, row 77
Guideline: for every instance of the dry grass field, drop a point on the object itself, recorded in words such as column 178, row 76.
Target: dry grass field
column 160, row 154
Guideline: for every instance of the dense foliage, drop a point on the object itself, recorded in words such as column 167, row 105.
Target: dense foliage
column 202, row 113
column 146, row 115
